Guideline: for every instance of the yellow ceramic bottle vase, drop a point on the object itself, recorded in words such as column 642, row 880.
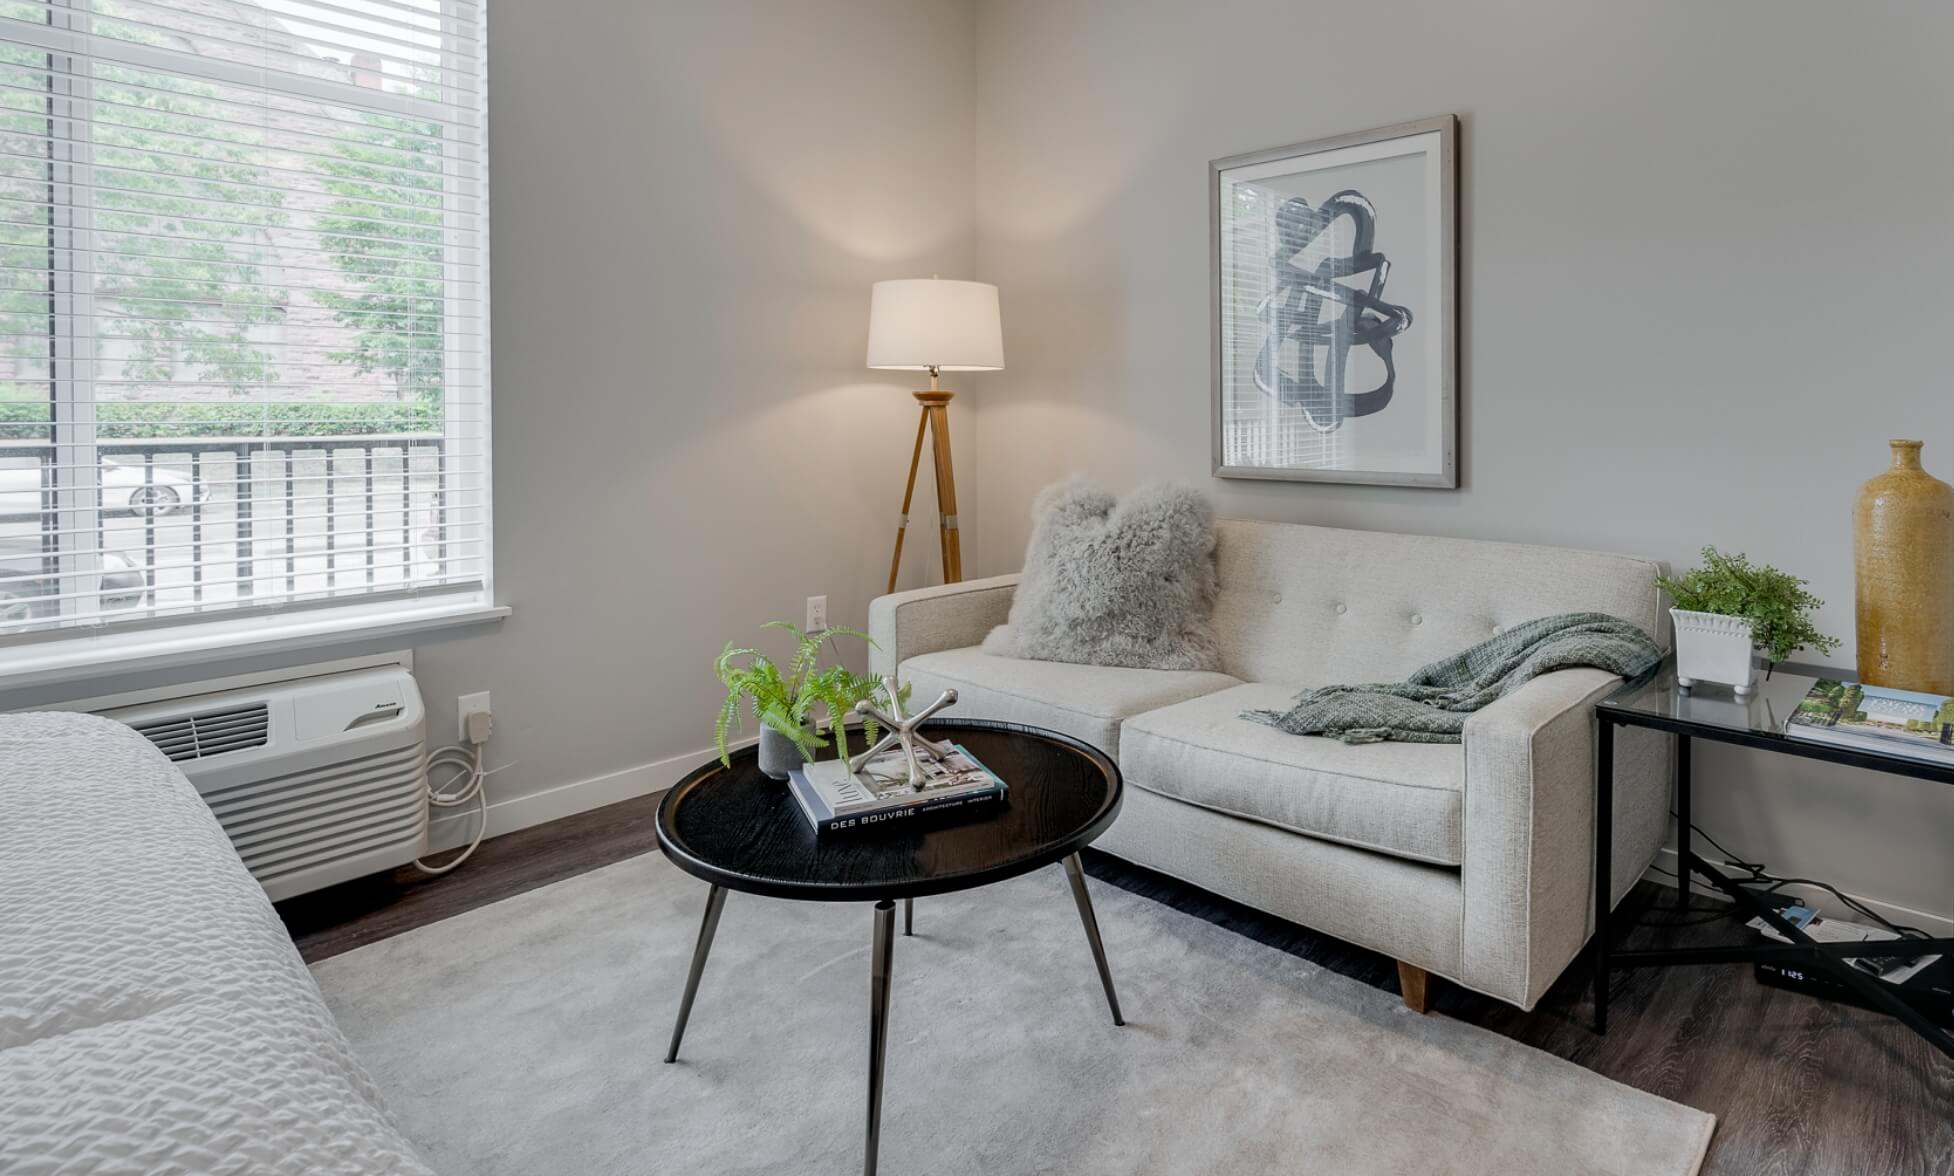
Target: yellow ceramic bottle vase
column 1903, row 544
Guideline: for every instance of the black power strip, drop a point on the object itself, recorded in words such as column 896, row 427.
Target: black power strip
column 1930, row 990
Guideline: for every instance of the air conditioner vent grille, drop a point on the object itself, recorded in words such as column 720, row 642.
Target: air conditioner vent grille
column 192, row 737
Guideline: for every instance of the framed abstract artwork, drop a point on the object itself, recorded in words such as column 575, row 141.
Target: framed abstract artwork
column 1334, row 269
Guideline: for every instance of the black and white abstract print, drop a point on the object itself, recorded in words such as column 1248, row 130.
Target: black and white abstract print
column 1317, row 313
column 1334, row 273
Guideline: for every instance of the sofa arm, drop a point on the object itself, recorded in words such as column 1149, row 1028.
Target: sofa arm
column 924, row 620
column 1528, row 862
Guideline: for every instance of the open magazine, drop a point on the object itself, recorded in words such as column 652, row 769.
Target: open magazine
column 1876, row 718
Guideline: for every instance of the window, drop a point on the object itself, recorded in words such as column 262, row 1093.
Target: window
column 243, row 283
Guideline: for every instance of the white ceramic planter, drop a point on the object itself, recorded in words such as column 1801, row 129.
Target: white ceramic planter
column 1711, row 647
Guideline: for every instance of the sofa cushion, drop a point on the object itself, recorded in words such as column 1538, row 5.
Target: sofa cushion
column 1085, row 702
column 1318, row 606
column 1403, row 799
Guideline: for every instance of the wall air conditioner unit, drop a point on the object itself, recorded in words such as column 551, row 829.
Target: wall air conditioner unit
column 317, row 779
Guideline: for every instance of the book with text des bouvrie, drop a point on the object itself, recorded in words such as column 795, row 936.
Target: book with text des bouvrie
column 834, row 799
column 1876, row 719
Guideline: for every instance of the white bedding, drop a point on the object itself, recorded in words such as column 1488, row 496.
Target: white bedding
column 154, row 1015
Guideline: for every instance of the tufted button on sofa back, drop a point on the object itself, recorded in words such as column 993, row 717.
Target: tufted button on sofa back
column 1311, row 606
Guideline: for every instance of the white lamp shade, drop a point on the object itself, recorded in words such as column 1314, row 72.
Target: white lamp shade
column 915, row 324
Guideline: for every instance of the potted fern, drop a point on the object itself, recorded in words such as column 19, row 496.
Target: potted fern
column 782, row 699
column 1728, row 608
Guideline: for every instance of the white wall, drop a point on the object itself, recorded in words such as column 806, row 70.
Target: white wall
column 1705, row 258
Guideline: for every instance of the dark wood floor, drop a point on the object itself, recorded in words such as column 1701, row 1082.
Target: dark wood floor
column 1798, row 1085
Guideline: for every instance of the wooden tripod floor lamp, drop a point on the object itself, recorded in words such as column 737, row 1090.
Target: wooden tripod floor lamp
column 934, row 325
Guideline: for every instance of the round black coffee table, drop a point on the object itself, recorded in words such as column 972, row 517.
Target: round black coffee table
column 740, row 830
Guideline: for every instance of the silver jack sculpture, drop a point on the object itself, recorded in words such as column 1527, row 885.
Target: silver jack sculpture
column 902, row 729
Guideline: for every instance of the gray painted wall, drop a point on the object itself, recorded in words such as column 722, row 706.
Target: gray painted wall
column 690, row 203
column 1705, row 272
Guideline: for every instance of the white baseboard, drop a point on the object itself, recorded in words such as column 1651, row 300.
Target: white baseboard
column 1940, row 926
column 451, row 830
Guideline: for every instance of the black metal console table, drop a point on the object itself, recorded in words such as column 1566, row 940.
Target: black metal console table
column 1715, row 713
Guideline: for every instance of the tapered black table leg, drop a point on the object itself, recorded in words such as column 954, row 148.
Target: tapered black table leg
column 1604, row 871
column 1682, row 820
column 715, row 900
column 878, row 1023
column 909, row 916
column 1076, row 874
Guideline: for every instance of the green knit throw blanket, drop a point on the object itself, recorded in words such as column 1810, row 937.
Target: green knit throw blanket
column 1431, row 706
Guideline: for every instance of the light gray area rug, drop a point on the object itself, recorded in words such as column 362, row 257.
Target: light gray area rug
column 528, row 1037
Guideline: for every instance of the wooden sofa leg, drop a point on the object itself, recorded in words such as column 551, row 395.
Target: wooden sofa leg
column 1411, row 982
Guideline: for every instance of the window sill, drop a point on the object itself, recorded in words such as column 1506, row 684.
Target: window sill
column 99, row 655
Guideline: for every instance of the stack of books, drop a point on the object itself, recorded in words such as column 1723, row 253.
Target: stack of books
column 833, row 799
column 1876, row 718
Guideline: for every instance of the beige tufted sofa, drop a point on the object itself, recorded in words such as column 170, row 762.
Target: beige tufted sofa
column 1472, row 861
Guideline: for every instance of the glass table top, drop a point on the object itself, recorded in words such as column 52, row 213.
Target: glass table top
column 1713, row 712
column 1772, row 699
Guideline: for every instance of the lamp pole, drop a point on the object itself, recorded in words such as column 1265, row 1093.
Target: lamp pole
column 934, row 421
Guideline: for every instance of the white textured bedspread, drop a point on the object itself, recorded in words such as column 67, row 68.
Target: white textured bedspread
column 154, row 1016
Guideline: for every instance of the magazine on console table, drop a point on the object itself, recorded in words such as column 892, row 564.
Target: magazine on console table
column 1878, row 719
column 833, row 798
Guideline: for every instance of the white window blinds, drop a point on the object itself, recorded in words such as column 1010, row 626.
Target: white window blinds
column 243, row 307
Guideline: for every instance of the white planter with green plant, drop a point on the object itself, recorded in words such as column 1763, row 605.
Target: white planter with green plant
column 783, row 701
column 1728, row 609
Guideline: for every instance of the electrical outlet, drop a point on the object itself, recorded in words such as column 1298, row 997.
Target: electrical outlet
column 469, row 704
column 817, row 613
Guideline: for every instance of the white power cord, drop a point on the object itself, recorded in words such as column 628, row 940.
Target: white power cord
column 464, row 784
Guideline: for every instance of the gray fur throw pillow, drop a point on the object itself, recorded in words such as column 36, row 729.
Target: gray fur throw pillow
column 1110, row 583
